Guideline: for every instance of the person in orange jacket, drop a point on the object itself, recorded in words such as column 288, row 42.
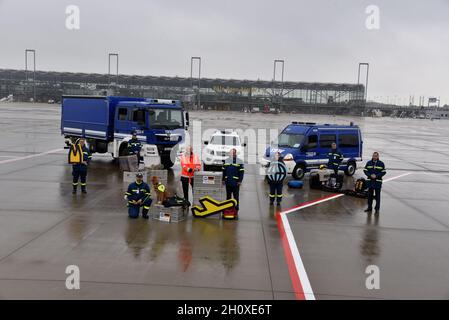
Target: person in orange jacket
column 189, row 164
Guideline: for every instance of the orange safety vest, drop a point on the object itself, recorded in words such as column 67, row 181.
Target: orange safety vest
column 189, row 162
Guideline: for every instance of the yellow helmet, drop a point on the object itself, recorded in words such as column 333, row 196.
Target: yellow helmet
column 322, row 167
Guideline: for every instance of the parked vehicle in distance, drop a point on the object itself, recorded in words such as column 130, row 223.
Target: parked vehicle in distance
column 219, row 147
column 305, row 146
column 108, row 121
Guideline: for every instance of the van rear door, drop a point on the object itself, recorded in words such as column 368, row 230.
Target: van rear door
column 349, row 144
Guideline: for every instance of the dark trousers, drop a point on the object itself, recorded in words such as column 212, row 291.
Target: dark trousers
column 185, row 186
column 79, row 171
column 233, row 192
column 133, row 209
column 374, row 194
column 276, row 191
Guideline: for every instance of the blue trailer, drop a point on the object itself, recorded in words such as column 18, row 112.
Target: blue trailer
column 108, row 121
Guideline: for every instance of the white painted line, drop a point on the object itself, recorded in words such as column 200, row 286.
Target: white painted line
column 31, row 156
column 305, row 283
column 397, row 177
column 299, row 265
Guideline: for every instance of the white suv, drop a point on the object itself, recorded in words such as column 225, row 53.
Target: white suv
column 218, row 149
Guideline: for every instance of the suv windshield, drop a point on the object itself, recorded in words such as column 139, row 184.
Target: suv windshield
column 225, row 140
column 165, row 118
column 287, row 140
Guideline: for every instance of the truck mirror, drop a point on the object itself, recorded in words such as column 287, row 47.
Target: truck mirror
column 206, row 142
column 187, row 119
column 244, row 144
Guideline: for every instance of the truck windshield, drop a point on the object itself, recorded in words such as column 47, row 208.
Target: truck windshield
column 165, row 118
column 287, row 140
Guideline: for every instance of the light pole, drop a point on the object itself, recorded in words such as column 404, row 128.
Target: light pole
column 276, row 61
column 199, row 77
column 366, row 80
column 109, row 69
column 34, row 70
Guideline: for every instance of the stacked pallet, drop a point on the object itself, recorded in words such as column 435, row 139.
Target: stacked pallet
column 170, row 214
column 206, row 183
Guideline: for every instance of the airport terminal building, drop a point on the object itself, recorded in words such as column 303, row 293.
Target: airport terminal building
column 220, row 94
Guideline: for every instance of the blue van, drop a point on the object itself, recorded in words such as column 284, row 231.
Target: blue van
column 305, row 146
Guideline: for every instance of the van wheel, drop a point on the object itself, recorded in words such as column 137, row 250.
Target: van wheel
column 351, row 168
column 299, row 171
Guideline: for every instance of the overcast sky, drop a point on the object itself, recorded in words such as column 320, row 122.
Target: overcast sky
column 320, row 40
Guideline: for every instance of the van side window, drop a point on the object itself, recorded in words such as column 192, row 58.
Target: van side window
column 122, row 114
column 348, row 140
column 313, row 142
column 326, row 140
column 139, row 116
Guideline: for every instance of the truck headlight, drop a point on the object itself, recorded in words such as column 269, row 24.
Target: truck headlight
column 211, row 152
column 288, row 157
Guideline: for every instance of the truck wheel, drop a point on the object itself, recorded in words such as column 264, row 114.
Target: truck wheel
column 166, row 162
column 123, row 150
column 351, row 168
column 299, row 171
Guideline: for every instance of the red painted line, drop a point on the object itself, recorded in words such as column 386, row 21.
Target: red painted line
column 294, row 275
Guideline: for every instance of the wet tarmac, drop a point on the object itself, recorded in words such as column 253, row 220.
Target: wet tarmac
column 44, row 228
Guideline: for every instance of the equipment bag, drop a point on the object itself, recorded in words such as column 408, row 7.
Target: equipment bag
column 360, row 185
column 230, row 214
column 295, row 184
column 175, row 201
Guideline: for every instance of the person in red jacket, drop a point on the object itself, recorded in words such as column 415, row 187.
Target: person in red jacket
column 189, row 164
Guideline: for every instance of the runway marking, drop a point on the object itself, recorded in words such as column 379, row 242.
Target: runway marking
column 31, row 156
column 300, row 280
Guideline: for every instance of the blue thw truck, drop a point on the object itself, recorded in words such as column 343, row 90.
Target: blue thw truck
column 108, row 121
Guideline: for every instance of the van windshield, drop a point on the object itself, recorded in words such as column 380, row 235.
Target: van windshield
column 287, row 140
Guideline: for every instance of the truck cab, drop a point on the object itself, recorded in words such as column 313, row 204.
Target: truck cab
column 305, row 146
column 108, row 122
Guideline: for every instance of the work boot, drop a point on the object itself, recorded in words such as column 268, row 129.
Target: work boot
column 83, row 190
column 376, row 211
column 145, row 214
column 369, row 210
column 271, row 203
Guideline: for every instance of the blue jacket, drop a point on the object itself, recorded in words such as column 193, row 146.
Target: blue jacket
column 335, row 158
column 277, row 171
column 134, row 146
column 377, row 168
column 138, row 191
column 233, row 171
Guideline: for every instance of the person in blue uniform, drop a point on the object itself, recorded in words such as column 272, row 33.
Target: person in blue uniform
column 276, row 174
column 233, row 172
column 335, row 157
column 79, row 170
column 138, row 196
column 374, row 170
column 134, row 146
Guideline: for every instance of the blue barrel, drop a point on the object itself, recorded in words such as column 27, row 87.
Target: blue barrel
column 296, row 184
column 133, row 211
